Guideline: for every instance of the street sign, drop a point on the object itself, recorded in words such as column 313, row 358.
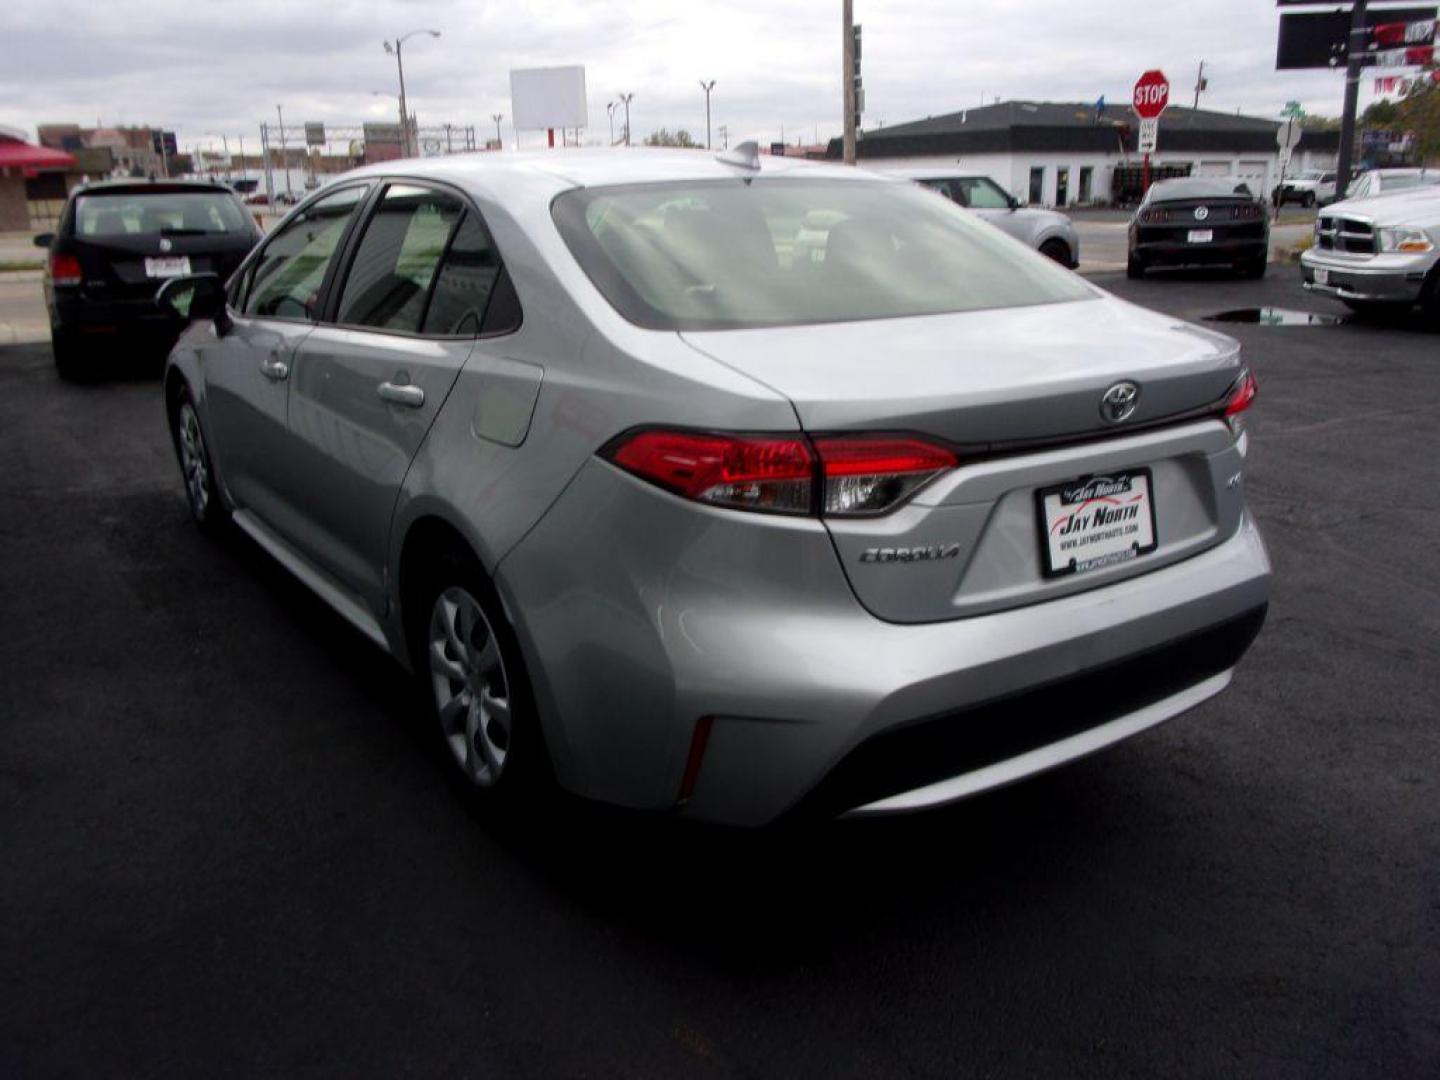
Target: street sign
column 1149, row 133
column 1152, row 94
column 314, row 133
column 1321, row 39
column 1288, row 134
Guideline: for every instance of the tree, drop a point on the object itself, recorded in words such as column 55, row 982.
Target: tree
column 1320, row 123
column 1380, row 114
column 1419, row 114
column 664, row 137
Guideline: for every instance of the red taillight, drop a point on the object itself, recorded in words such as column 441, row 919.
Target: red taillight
column 65, row 269
column 837, row 475
column 748, row 472
column 1241, row 395
column 1154, row 215
column 870, row 474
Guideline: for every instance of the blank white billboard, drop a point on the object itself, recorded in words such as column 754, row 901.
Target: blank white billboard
column 552, row 97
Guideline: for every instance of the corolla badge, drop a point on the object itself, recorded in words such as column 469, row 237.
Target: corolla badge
column 1201, row 213
column 165, row 245
column 1118, row 403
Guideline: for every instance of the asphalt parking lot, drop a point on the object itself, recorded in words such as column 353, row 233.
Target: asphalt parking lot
column 228, row 849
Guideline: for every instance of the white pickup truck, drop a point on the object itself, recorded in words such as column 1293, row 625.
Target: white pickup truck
column 1379, row 253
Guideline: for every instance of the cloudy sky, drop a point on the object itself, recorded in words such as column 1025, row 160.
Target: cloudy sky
column 212, row 66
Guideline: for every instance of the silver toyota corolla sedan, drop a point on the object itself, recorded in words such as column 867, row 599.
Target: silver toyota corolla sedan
column 694, row 516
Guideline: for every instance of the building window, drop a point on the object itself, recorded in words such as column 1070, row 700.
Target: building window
column 1037, row 185
column 1062, row 185
column 1087, row 179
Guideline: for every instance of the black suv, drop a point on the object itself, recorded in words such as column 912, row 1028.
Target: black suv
column 116, row 243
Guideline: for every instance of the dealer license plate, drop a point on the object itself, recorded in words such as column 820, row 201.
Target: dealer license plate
column 1201, row 236
column 1322, row 277
column 167, row 266
column 1096, row 521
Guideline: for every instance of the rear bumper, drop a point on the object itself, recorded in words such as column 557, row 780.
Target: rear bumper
column 82, row 315
column 1389, row 278
column 1171, row 253
column 640, row 614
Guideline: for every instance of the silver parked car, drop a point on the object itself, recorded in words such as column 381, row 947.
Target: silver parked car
column 1047, row 231
column 652, row 498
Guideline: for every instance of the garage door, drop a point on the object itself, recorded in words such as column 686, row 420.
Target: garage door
column 1214, row 168
column 1252, row 173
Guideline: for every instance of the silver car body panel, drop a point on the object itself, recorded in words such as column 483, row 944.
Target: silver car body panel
column 1379, row 276
column 639, row 612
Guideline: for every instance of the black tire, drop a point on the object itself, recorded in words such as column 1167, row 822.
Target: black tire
column 1059, row 251
column 73, row 362
column 1308, row 199
column 1134, row 267
column 469, row 735
column 1253, row 269
column 197, row 468
column 1430, row 299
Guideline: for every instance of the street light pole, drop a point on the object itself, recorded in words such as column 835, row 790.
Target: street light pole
column 499, row 142
column 625, row 100
column 707, row 87
column 399, row 43
column 610, row 115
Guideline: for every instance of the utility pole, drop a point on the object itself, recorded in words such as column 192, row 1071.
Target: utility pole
column 1199, row 84
column 284, row 152
column 406, row 149
column 497, row 117
column 707, row 87
column 625, row 100
column 1352, row 96
column 847, row 65
column 270, row 191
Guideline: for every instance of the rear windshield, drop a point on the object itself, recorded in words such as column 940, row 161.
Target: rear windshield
column 1198, row 187
column 727, row 254
column 178, row 213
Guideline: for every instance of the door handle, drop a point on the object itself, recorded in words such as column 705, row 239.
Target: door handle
column 402, row 394
column 273, row 368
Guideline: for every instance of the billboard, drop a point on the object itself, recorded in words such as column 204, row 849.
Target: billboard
column 1321, row 39
column 551, row 97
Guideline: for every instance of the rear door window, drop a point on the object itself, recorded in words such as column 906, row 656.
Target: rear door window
column 289, row 271
column 466, row 282
column 390, row 279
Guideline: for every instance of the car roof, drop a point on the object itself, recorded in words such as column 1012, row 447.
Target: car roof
column 531, row 176
column 150, row 187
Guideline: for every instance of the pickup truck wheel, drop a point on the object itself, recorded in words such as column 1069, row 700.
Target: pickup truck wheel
column 1308, row 199
column 1430, row 298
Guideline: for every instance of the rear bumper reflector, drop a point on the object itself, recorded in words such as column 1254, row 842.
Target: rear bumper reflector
column 698, row 741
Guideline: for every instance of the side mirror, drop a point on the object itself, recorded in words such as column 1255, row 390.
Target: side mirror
column 1014, row 202
column 45, row 239
column 194, row 297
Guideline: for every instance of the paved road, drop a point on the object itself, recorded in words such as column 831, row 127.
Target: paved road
column 227, row 849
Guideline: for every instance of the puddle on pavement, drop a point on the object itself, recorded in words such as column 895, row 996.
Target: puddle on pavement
column 1274, row 316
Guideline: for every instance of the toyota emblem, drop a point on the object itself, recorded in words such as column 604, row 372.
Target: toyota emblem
column 165, row 245
column 1118, row 403
column 1201, row 213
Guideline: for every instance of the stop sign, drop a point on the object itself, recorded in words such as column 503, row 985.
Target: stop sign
column 1152, row 94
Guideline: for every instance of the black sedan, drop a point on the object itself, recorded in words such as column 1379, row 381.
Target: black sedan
column 116, row 243
column 1199, row 221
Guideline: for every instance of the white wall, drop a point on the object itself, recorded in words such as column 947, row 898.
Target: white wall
column 1012, row 171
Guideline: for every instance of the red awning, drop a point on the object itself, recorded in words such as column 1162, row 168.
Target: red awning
column 20, row 155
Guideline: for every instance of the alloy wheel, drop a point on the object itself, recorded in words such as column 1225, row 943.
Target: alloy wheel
column 194, row 461
column 471, row 688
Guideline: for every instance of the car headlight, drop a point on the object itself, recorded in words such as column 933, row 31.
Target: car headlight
column 1409, row 241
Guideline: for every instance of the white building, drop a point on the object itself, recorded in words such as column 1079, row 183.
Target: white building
column 1058, row 154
